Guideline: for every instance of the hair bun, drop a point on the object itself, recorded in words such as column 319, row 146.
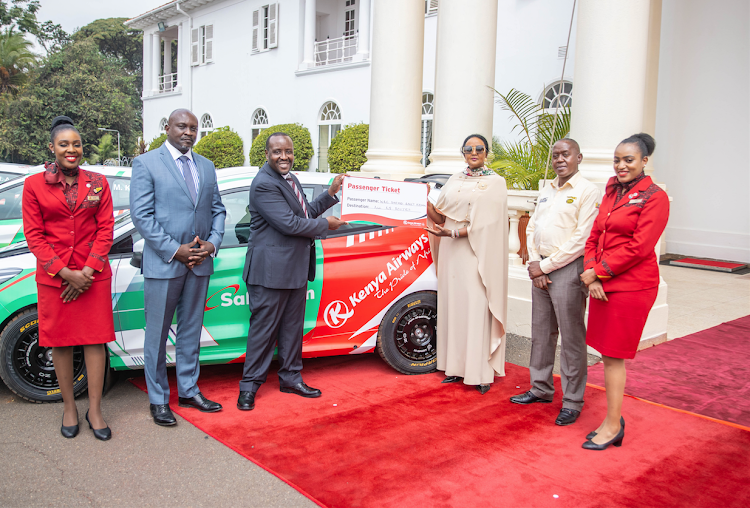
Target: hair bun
column 61, row 120
column 645, row 142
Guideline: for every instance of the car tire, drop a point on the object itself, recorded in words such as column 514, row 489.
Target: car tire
column 407, row 336
column 26, row 367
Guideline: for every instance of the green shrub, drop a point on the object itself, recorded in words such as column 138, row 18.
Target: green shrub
column 348, row 148
column 303, row 149
column 157, row 142
column 223, row 147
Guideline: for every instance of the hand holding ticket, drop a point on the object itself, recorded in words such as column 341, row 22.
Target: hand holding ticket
column 387, row 202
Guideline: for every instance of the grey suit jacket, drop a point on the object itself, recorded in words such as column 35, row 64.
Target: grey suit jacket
column 165, row 215
column 281, row 248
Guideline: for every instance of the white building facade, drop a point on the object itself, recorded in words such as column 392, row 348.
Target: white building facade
column 252, row 63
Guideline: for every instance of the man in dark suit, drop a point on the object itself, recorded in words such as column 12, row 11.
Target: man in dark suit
column 280, row 260
column 176, row 207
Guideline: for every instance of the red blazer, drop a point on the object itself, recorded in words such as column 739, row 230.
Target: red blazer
column 621, row 245
column 59, row 237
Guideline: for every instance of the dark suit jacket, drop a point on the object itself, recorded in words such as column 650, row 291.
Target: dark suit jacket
column 281, row 249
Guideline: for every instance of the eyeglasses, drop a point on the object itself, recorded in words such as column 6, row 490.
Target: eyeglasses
column 470, row 149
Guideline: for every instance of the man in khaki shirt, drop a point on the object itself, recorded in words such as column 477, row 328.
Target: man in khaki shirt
column 556, row 238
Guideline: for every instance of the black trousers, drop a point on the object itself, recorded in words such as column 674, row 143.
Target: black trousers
column 278, row 317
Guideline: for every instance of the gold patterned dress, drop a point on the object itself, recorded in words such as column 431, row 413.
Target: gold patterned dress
column 472, row 276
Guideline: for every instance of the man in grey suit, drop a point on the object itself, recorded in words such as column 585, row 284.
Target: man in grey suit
column 556, row 237
column 176, row 207
column 280, row 260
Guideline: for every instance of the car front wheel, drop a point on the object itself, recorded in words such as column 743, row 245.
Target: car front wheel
column 407, row 337
column 27, row 368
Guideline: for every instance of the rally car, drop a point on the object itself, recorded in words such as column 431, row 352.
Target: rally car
column 11, row 192
column 375, row 289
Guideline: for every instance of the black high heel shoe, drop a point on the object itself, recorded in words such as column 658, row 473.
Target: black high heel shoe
column 101, row 434
column 70, row 431
column 452, row 379
column 591, row 435
column 483, row 388
column 616, row 441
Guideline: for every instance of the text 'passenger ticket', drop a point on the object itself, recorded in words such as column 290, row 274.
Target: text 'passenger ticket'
column 387, row 202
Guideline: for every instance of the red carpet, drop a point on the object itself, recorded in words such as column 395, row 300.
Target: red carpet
column 708, row 264
column 377, row 438
column 706, row 373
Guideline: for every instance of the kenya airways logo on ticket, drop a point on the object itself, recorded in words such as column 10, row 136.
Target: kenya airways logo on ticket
column 387, row 202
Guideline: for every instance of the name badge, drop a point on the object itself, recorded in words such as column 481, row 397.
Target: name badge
column 93, row 198
column 632, row 201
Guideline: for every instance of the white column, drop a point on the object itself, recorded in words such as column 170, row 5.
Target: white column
column 609, row 80
column 309, row 36
column 155, row 61
column 396, row 88
column 180, row 54
column 363, row 49
column 464, row 78
column 514, row 241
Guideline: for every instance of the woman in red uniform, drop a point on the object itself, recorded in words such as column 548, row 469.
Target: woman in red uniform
column 68, row 223
column 622, row 274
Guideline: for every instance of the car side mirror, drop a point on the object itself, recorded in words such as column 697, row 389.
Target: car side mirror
column 137, row 258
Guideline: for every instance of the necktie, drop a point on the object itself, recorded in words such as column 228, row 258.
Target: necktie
column 296, row 193
column 187, row 173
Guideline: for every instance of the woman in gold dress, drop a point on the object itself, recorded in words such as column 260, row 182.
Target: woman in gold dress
column 470, row 249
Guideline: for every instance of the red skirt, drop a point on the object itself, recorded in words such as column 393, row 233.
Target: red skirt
column 615, row 327
column 87, row 320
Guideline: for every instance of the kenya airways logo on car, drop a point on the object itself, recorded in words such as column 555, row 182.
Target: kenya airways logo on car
column 336, row 314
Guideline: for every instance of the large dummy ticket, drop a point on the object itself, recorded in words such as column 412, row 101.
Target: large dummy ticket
column 387, row 202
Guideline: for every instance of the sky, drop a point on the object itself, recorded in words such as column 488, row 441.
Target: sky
column 72, row 14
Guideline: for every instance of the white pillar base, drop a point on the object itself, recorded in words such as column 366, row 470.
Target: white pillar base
column 445, row 162
column 393, row 162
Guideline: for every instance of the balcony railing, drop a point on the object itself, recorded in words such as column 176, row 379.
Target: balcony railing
column 167, row 82
column 336, row 51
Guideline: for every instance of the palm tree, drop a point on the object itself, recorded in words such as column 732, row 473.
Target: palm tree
column 522, row 163
column 15, row 60
column 104, row 151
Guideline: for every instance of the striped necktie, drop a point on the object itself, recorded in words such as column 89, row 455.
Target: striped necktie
column 297, row 193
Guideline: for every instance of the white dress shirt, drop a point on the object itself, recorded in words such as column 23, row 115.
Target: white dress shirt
column 561, row 224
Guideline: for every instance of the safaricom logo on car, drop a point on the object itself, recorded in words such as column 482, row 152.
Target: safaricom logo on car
column 229, row 297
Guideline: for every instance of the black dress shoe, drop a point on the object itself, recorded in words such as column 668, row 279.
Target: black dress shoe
column 483, row 388
column 616, row 441
column 591, row 435
column 104, row 434
column 567, row 416
column 70, row 431
column 162, row 415
column 200, row 403
column 528, row 398
column 302, row 390
column 452, row 379
column 246, row 401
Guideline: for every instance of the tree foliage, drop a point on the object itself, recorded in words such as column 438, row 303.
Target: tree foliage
column 348, row 148
column 223, row 147
column 115, row 40
column 77, row 81
column 21, row 15
column 15, row 61
column 157, row 142
column 303, row 150
column 107, row 149
column 522, row 163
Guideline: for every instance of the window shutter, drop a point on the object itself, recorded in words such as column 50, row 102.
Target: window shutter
column 432, row 7
column 273, row 23
column 256, row 29
column 209, row 43
column 194, row 47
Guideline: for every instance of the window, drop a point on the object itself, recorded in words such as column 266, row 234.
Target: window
column 10, row 202
column 427, row 113
column 260, row 122
column 265, row 28
column 558, row 95
column 120, row 189
column 162, row 126
column 206, row 125
column 328, row 126
column 430, row 7
column 237, row 221
column 349, row 27
column 202, row 49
